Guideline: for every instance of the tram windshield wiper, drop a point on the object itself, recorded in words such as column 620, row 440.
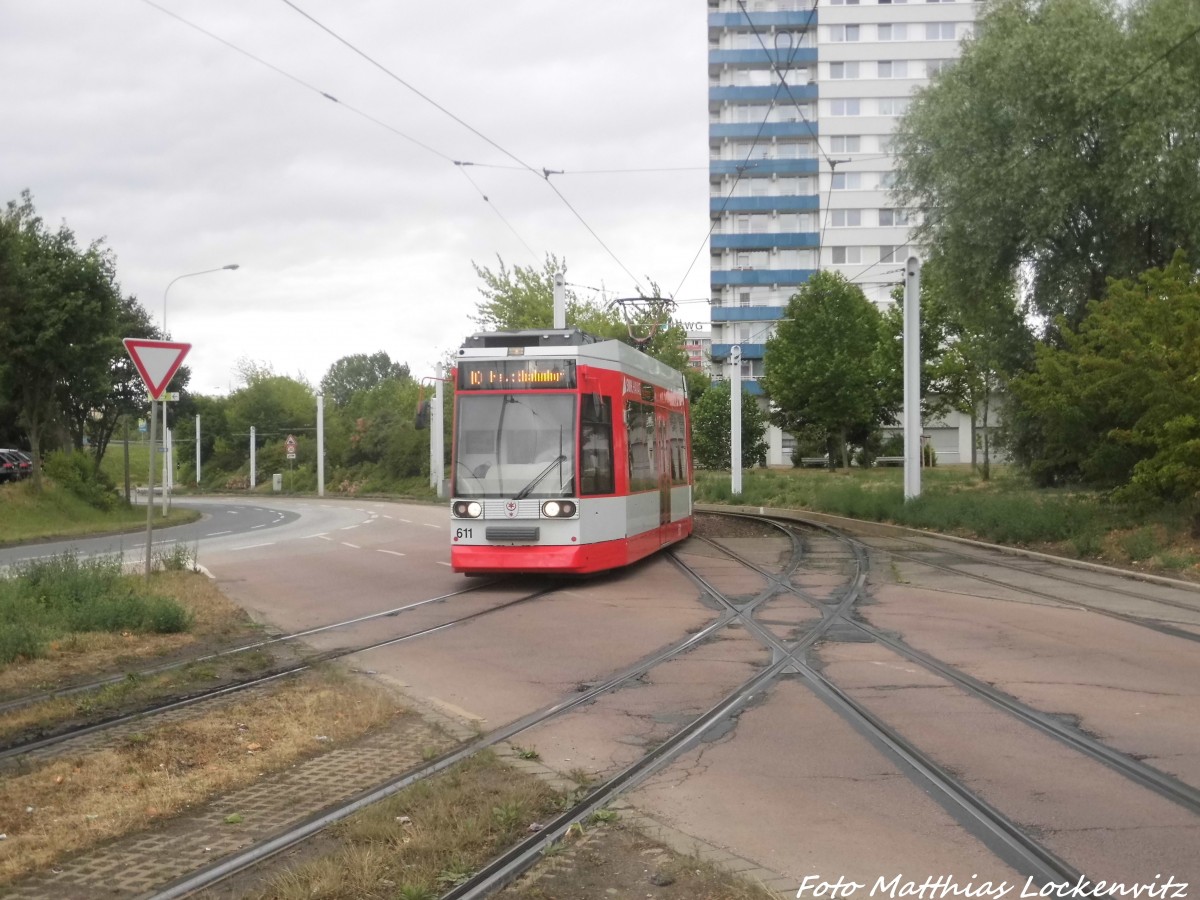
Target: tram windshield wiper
column 524, row 492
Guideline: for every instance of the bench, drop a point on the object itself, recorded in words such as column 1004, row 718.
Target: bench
column 814, row 462
column 889, row 461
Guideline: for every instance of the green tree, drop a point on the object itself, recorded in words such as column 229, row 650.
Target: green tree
column 58, row 309
column 820, row 365
column 1062, row 147
column 360, row 372
column 1116, row 404
column 275, row 406
column 969, row 349
column 711, row 433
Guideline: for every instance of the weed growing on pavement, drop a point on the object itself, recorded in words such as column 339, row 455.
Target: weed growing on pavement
column 429, row 837
column 162, row 769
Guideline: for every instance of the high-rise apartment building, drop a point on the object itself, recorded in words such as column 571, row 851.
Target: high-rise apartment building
column 802, row 104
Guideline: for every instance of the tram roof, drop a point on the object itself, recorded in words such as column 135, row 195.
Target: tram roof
column 571, row 343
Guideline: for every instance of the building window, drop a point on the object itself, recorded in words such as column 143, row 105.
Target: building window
column 846, row 255
column 890, row 218
column 846, row 181
column 893, row 68
column 844, row 107
column 744, row 298
column 844, row 144
column 939, row 31
column 843, row 33
column 843, row 70
column 893, row 106
column 845, row 218
column 893, row 33
column 937, row 66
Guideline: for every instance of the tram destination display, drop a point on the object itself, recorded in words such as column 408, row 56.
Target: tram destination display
column 516, row 374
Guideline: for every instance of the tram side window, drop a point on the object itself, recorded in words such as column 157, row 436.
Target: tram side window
column 639, row 428
column 678, row 438
column 596, row 449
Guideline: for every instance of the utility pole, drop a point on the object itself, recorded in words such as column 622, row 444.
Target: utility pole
column 912, row 378
column 735, row 419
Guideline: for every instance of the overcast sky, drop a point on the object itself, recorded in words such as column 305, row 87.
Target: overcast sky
column 184, row 154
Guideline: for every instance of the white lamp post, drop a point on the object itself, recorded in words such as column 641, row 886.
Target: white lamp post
column 167, row 481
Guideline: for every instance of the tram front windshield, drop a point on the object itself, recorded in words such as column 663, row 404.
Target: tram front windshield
column 515, row 445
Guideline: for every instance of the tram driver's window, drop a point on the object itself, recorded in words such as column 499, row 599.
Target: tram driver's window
column 596, row 449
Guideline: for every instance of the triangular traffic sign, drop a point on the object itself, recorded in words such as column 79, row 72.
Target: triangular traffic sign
column 156, row 361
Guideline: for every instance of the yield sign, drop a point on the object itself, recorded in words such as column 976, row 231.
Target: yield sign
column 156, row 361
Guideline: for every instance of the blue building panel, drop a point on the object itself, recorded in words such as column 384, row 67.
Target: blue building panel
column 749, row 351
column 783, row 57
column 761, row 276
column 747, row 313
column 758, row 20
column 762, row 204
column 752, row 130
column 791, row 240
column 764, row 93
column 764, row 167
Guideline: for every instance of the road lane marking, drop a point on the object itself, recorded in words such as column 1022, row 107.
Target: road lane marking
column 427, row 525
column 440, row 563
column 252, row 546
column 354, row 546
column 392, row 552
column 215, row 533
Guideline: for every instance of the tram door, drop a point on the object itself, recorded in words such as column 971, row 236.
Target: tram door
column 662, row 458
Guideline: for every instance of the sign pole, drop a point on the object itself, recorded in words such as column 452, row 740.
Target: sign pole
column 150, row 491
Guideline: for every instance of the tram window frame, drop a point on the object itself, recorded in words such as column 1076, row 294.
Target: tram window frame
column 639, row 481
column 597, row 474
column 679, row 458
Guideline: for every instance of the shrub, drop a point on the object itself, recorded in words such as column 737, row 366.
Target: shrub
column 75, row 472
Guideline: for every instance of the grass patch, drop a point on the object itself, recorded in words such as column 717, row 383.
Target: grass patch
column 81, row 657
column 955, row 500
column 425, row 839
column 27, row 515
column 66, row 804
column 48, row 600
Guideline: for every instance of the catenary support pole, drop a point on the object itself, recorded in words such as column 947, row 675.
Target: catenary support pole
column 320, row 445
column 560, row 301
column 735, row 418
column 912, row 378
column 253, row 460
column 197, row 451
column 437, row 437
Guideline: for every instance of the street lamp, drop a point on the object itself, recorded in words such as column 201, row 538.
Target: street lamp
column 166, row 441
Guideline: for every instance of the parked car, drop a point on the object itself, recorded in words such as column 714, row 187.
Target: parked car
column 10, row 466
column 26, row 463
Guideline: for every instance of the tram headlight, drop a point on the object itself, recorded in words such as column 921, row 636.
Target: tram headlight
column 558, row 509
column 467, row 509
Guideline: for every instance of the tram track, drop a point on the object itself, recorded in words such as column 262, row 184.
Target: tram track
column 24, row 749
column 1162, row 783
column 222, row 869
column 789, row 659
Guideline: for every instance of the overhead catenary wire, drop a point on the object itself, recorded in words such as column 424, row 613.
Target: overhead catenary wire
column 544, row 174
column 346, row 106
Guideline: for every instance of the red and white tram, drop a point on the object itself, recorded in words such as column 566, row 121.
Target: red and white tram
column 569, row 454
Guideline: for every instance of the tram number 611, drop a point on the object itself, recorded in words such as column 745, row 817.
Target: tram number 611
column 460, row 533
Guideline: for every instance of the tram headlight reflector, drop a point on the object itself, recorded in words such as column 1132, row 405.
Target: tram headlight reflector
column 558, row 509
column 465, row 509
